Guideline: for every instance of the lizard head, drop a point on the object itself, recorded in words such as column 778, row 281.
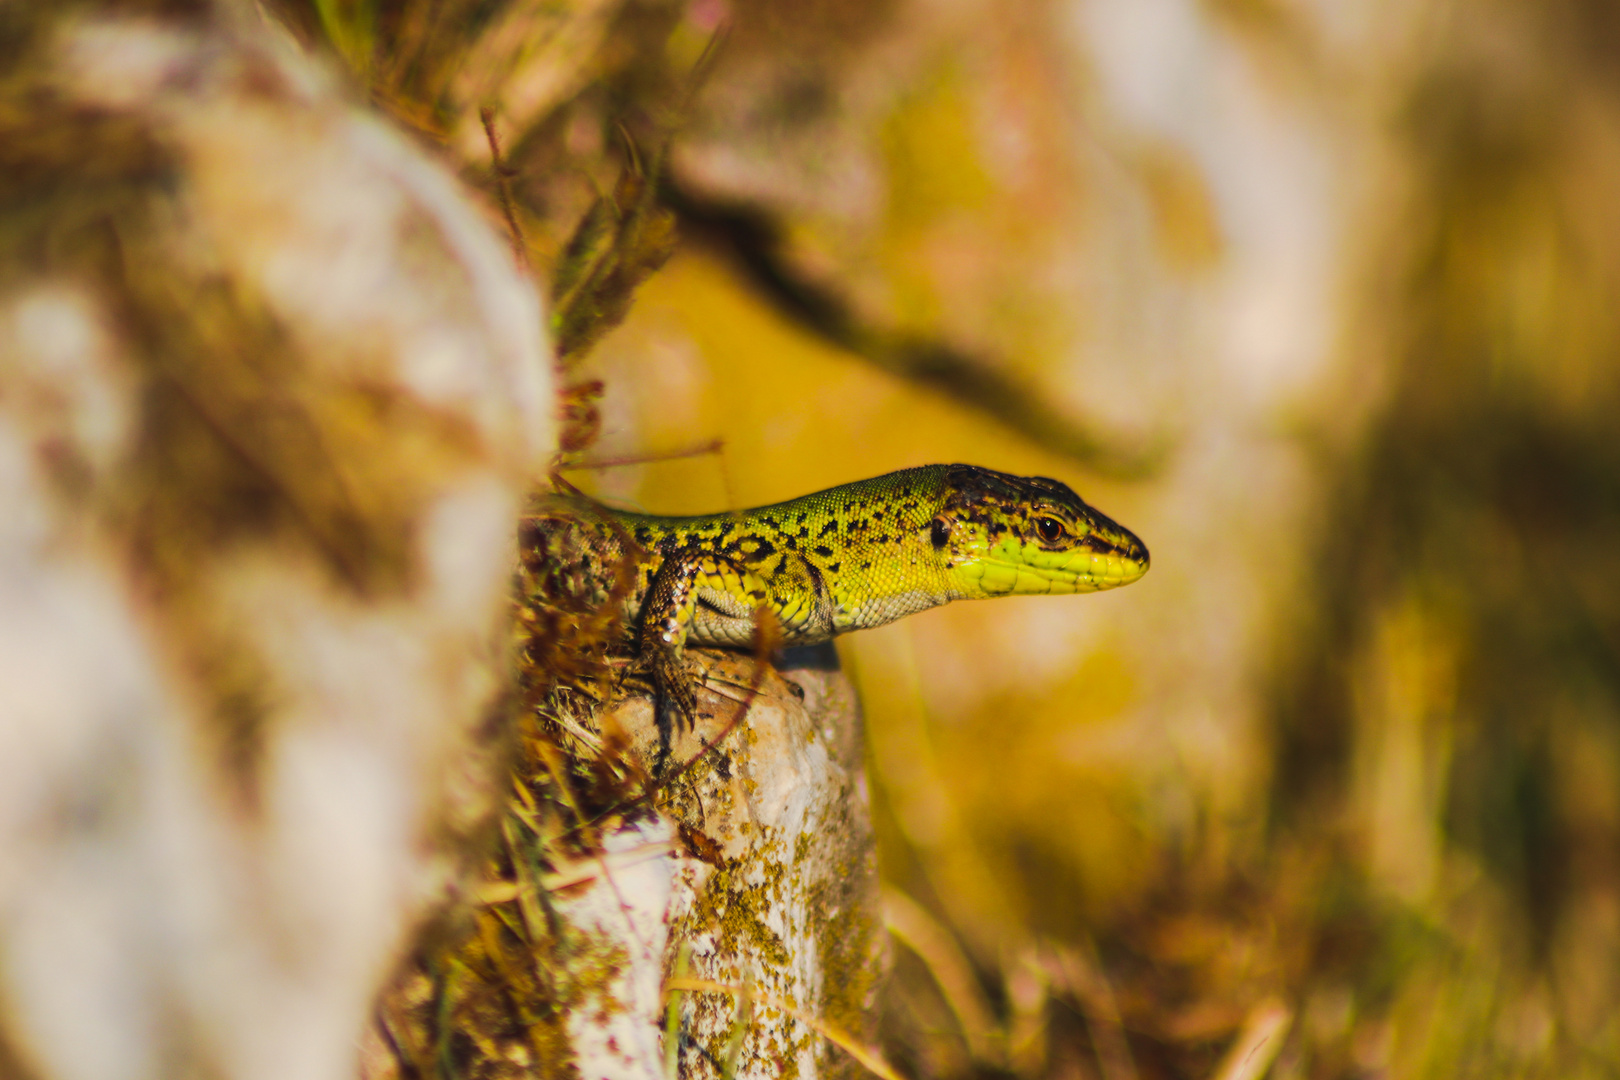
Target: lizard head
column 1000, row 535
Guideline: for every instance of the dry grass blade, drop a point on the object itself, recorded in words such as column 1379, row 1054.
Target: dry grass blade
column 1088, row 986
column 503, row 187
column 920, row 932
column 1257, row 1044
column 868, row 1057
column 712, row 446
column 571, row 874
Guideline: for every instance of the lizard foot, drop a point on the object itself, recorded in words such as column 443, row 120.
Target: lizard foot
column 674, row 678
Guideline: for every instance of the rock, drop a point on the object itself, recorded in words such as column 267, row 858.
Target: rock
column 757, row 870
column 270, row 392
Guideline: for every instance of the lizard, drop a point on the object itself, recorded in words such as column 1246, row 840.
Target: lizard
column 847, row 558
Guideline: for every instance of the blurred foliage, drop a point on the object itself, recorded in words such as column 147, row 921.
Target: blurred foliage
column 621, row 240
column 1413, row 868
column 1464, row 679
column 487, row 992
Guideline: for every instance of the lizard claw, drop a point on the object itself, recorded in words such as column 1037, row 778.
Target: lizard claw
column 673, row 677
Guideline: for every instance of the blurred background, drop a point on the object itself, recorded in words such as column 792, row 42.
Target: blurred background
column 1316, row 297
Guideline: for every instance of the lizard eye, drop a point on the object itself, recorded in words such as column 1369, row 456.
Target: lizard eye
column 1049, row 529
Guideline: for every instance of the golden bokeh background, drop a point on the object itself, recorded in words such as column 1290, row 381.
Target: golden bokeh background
column 1351, row 749
column 1319, row 299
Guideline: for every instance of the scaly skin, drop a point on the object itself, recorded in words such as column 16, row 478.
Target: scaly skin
column 843, row 559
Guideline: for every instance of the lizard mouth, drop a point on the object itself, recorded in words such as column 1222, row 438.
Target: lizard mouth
column 1081, row 570
column 1087, row 567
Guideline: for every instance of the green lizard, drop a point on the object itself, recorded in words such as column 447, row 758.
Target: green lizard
column 843, row 559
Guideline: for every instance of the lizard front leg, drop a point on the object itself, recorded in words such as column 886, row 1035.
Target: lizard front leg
column 667, row 617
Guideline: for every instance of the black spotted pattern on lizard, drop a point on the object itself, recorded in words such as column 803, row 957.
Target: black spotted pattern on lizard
column 847, row 558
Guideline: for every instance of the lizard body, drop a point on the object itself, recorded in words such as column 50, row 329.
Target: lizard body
column 848, row 558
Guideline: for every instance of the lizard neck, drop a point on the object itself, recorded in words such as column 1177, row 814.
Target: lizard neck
column 874, row 547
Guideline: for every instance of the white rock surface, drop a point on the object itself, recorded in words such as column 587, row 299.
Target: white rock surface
column 791, row 911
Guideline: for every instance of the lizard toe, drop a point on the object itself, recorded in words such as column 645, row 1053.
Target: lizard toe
column 674, row 678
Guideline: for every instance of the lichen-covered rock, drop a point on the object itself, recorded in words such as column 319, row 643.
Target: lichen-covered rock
column 779, row 890
column 745, row 867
